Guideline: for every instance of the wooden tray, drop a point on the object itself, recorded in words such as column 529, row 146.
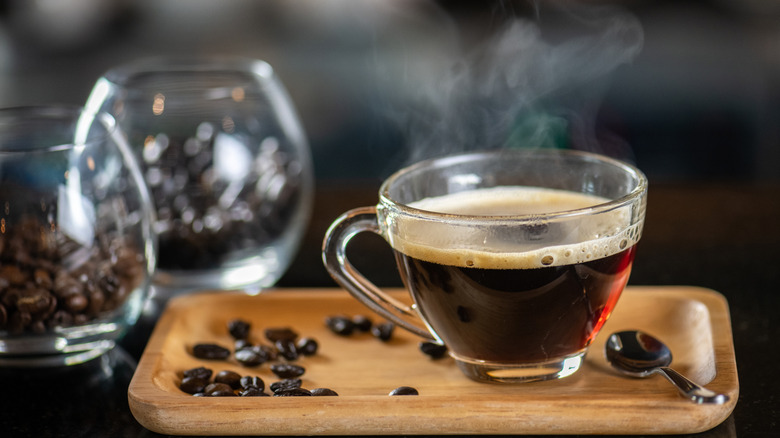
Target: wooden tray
column 363, row 370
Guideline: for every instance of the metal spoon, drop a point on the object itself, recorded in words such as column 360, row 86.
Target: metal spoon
column 638, row 354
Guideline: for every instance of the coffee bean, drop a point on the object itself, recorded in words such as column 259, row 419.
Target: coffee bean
column 76, row 303
column 66, row 286
column 307, row 346
column 193, row 384
column 287, row 349
column 340, row 325
column 323, row 392
column 33, row 301
column 276, row 334
column 383, row 331
column 13, row 274
column 292, row 392
column 252, row 356
column 285, row 384
column 210, row 351
column 433, row 349
column 43, row 279
column 404, row 390
column 362, row 323
column 202, row 372
column 96, row 300
column 252, row 392
column 286, row 370
column 239, row 329
column 230, row 378
column 218, row 390
column 252, row 382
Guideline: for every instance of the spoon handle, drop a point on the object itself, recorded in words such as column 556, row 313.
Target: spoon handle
column 691, row 390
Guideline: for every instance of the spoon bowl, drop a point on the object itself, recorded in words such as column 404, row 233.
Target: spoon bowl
column 639, row 354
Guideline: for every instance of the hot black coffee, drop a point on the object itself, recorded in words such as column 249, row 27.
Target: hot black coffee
column 510, row 301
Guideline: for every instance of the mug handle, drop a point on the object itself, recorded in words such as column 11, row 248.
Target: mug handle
column 334, row 256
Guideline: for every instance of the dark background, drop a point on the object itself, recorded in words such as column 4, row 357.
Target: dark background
column 697, row 109
column 700, row 101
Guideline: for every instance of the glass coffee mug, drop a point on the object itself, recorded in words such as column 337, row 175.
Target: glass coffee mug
column 514, row 259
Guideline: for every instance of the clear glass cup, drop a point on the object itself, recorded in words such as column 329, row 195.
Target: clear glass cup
column 226, row 161
column 76, row 243
column 514, row 259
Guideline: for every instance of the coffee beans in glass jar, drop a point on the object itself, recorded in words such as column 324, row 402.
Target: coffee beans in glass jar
column 48, row 280
column 227, row 163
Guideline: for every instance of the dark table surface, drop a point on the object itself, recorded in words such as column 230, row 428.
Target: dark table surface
column 720, row 236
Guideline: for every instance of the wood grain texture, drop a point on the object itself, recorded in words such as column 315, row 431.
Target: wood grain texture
column 363, row 370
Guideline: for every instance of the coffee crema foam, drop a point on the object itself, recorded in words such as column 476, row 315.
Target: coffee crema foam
column 569, row 242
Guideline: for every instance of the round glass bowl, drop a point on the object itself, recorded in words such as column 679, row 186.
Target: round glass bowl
column 77, row 249
column 226, row 162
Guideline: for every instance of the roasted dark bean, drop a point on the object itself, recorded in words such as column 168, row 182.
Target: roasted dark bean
column 42, row 278
column 268, row 351
column 276, row 334
column 404, row 390
column 285, row 384
column 252, row 382
column 286, row 370
column 340, row 325
column 193, row 384
column 307, row 346
column 239, row 329
column 210, row 351
column 33, row 301
column 287, row 349
column 383, row 331
column 362, row 323
column 13, row 274
column 252, row 392
column 292, row 392
column 323, row 392
column 218, row 390
column 433, row 349
column 202, row 372
column 229, row 378
column 252, row 356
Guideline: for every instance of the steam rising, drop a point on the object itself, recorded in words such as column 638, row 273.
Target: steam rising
column 524, row 87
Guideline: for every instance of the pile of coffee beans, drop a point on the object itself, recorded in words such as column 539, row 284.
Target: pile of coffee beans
column 283, row 343
column 49, row 280
column 343, row 325
column 214, row 198
column 198, row 382
column 283, row 347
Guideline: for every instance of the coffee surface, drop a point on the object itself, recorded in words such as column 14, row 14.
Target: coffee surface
column 520, row 242
column 508, row 201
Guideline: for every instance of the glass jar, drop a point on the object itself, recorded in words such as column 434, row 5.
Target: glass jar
column 226, row 161
column 77, row 249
